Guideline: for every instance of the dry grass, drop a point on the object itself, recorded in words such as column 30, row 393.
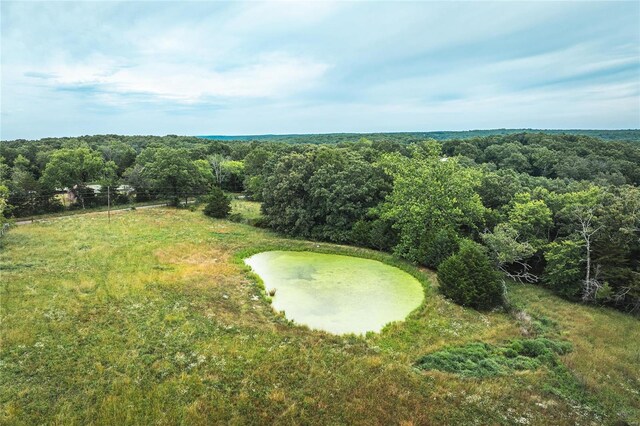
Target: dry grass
column 154, row 319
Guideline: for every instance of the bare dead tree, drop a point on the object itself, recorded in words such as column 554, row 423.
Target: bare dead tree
column 508, row 252
column 629, row 294
column 524, row 275
column 591, row 284
column 216, row 161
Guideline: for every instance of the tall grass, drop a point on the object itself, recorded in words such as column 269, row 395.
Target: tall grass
column 154, row 318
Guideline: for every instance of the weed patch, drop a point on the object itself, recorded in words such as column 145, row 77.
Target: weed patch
column 485, row 360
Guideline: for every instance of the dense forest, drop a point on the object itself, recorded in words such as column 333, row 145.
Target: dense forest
column 407, row 137
column 558, row 210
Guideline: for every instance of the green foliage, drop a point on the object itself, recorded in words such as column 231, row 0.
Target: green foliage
column 253, row 186
column 287, row 205
column 170, row 172
column 553, row 155
column 505, row 246
column 5, row 171
column 469, row 278
column 74, row 166
column 122, row 154
column 509, row 253
column 255, row 163
column 617, row 247
column 374, row 232
column 136, row 178
column 497, row 189
column 218, row 204
column 233, row 172
column 437, row 245
column 321, row 193
column 564, row 271
column 4, row 205
column 531, row 219
column 407, row 192
column 204, row 177
column 23, row 187
column 429, row 194
column 484, row 360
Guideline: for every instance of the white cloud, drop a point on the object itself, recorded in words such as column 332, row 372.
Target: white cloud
column 269, row 76
column 255, row 67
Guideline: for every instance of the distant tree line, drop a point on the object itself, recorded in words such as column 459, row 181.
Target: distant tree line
column 559, row 210
column 412, row 137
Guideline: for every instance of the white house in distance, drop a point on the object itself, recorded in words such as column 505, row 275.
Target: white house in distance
column 69, row 196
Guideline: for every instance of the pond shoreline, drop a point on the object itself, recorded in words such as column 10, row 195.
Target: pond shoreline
column 337, row 293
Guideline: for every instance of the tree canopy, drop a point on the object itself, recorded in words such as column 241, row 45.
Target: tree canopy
column 561, row 209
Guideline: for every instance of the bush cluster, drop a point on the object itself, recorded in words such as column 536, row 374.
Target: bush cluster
column 218, row 205
column 469, row 278
column 484, row 360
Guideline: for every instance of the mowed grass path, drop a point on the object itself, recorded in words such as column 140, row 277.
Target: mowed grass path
column 154, row 319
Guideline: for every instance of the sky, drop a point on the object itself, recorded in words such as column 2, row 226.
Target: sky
column 219, row 68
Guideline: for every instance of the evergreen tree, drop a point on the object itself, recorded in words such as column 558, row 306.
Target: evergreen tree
column 218, row 204
column 469, row 278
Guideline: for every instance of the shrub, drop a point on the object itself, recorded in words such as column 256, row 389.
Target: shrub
column 469, row 278
column 437, row 246
column 237, row 218
column 483, row 360
column 218, row 204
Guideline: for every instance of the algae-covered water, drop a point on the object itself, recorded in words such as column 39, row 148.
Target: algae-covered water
column 338, row 294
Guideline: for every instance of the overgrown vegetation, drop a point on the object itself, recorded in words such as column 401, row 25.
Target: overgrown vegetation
column 485, row 360
column 153, row 318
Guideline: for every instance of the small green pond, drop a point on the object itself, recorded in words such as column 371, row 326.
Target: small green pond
column 338, row 294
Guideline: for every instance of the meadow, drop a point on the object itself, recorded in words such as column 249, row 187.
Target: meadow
column 154, row 319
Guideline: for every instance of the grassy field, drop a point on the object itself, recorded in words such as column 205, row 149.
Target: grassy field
column 154, row 319
column 77, row 211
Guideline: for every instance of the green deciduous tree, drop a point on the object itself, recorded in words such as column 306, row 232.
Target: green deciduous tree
column 73, row 168
column 233, row 175
column 135, row 177
column 4, row 206
column 617, row 245
column 120, row 153
column 254, row 166
column 375, row 232
column 173, row 174
column 321, row 193
column 430, row 194
column 564, row 269
column 531, row 219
